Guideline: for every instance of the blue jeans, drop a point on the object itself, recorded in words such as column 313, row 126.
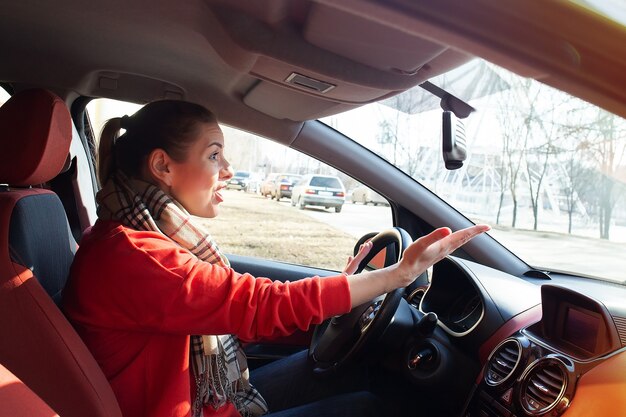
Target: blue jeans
column 290, row 389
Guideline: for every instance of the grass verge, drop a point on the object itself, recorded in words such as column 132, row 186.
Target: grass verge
column 252, row 225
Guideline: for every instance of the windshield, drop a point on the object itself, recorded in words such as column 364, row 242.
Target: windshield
column 546, row 170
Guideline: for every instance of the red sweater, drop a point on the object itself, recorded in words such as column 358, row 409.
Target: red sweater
column 135, row 297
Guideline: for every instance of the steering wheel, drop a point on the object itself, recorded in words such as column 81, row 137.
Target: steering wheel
column 337, row 341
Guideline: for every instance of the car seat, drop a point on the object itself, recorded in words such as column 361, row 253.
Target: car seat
column 37, row 344
column 18, row 400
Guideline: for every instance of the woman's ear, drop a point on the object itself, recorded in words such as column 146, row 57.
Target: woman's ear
column 160, row 166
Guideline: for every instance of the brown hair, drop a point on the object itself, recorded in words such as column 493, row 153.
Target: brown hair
column 170, row 125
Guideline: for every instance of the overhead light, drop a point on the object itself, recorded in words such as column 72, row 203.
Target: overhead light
column 300, row 80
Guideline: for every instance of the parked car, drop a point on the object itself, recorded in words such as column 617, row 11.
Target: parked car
column 283, row 184
column 517, row 323
column 254, row 183
column 365, row 195
column 268, row 184
column 239, row 181
column 319, row 190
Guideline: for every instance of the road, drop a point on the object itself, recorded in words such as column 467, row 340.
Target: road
column 354, row 219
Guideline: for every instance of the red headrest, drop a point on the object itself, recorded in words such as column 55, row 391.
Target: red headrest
column 35, row 136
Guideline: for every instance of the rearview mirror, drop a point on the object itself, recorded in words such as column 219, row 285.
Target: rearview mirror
column 454, row 143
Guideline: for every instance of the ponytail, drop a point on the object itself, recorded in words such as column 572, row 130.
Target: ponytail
column 107, row 162
column 170, row 125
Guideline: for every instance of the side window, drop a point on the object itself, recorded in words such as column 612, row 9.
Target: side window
column 273, row 209
column 100, row 110
column 303, row 225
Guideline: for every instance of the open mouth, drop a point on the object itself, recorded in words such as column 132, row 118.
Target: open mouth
column 218, row 194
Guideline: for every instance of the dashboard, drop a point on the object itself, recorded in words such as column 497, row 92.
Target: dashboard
column 535, row 372
column 535, row 368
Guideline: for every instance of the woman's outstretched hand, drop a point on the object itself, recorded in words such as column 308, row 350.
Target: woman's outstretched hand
column 432, row 248
column 420, row 255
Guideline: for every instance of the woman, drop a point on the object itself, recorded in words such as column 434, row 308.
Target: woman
column 147, row 276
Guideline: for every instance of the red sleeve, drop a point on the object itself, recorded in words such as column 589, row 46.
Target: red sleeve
column 162, row 287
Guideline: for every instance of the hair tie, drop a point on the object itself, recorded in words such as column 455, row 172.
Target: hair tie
column 125, row 122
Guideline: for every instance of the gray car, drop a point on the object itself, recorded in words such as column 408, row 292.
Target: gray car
column 365, row 195
column 319, row 190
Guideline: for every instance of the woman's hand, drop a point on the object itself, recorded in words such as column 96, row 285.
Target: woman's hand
column 430, row 249
column 354, row 261
column 420, row 255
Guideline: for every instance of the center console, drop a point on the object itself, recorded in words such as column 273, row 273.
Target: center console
column 534, row 372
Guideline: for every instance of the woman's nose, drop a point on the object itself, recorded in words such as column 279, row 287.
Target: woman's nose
column 227, row 171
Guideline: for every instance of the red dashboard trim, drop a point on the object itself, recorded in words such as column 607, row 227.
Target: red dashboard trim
column 524, row 319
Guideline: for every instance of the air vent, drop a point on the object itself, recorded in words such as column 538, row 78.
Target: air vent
column 415, row 298
column 543, row 386
column 503, row 362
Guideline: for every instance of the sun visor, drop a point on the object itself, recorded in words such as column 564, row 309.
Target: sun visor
column 339, row 45
column 321, row 57
column 368, row 42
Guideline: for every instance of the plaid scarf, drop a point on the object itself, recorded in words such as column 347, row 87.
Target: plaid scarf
column 218, row 362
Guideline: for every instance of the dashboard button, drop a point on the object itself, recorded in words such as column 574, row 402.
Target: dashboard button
column 507, row 396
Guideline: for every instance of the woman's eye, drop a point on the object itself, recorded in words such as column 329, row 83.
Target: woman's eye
column 214, row 156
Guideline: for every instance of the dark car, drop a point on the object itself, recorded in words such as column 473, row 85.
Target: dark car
column 525, row 100
column 283, row 184
column 239, row 181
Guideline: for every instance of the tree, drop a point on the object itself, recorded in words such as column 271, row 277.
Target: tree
column 503, row 176
column 606, row 145
column 393, row 133
column 577, row 179
column 538, row 159
column 535, row 175
column 515, row 120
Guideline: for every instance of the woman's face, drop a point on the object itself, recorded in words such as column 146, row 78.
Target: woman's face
column 197, row 181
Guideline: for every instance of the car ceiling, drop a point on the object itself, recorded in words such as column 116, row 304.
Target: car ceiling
column 235, row 56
